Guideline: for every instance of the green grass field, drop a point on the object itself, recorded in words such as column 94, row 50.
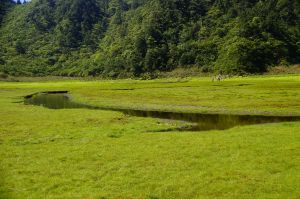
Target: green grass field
column 81, row 153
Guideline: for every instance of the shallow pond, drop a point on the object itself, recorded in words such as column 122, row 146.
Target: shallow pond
column 203, row 122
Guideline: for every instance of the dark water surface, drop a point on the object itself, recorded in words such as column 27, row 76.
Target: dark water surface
column 203, row 122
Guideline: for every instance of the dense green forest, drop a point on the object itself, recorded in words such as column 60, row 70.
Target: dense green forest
column 124, row 38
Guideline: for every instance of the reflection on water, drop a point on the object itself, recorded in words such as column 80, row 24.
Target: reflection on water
column 61, row 100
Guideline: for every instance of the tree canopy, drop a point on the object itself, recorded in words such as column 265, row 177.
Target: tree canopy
column 132, row 37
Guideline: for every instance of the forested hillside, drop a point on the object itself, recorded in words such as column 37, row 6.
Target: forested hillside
column 118, row 38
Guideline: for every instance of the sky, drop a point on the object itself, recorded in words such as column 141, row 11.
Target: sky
column 22, row 0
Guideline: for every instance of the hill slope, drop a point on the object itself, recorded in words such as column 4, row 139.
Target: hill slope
column 131, row 37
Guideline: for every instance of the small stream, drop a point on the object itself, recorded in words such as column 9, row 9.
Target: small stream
column 203, row 122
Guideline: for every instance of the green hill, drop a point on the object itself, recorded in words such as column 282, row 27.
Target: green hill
column 118, row 38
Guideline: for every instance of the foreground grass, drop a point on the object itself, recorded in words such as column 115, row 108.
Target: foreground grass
column 101, row 154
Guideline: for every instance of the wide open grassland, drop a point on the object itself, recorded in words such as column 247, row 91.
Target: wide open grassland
column 103, row 154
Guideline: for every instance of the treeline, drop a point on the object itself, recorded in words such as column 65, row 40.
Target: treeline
column 123, row 38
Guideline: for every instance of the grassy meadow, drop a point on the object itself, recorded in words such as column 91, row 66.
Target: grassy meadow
column 81, row 153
